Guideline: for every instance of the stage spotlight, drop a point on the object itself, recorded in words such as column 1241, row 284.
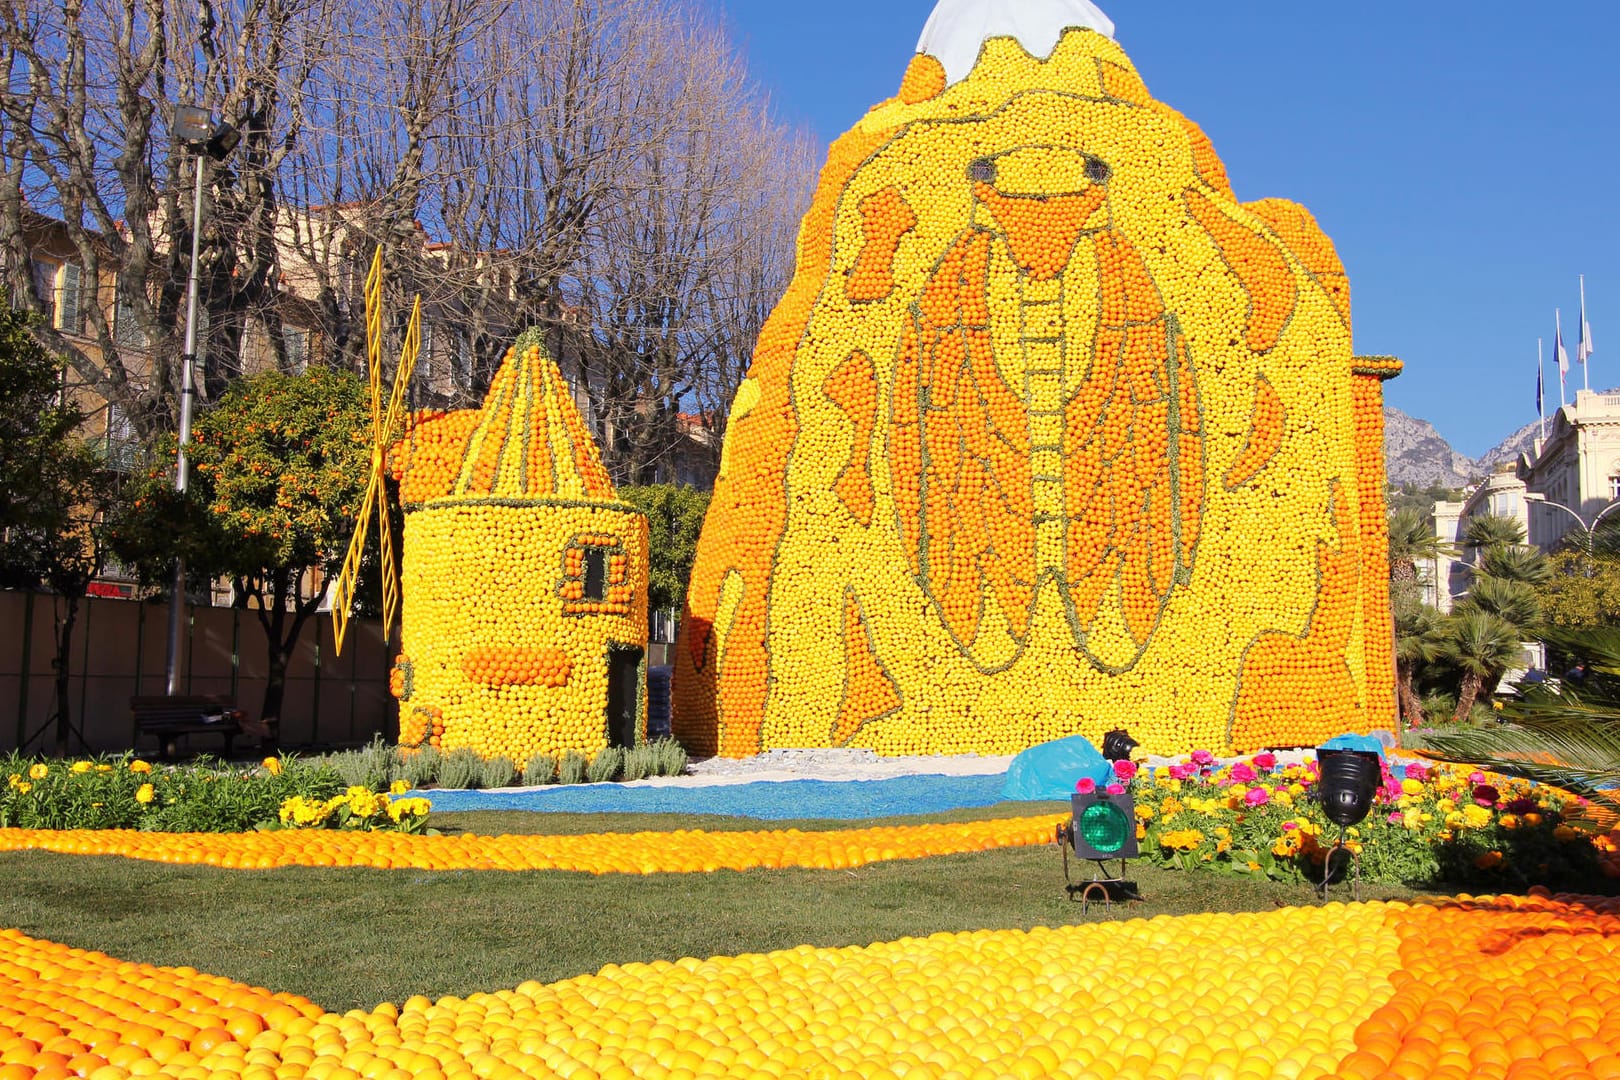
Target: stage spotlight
column 1105, row 826
column 1118, row 744
column 1349, row 780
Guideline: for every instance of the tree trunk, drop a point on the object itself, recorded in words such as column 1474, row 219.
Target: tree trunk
column 1411, row 707
column 59, row 666
column 1466, row 695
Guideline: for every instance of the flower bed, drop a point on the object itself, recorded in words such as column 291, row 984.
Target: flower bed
column 1508, row 987
column 126, row 793
column 1428, row 824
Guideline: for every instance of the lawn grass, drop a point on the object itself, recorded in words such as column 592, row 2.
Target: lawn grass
column 350, row 938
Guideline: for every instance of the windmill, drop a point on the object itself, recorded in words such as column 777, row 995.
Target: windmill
column 383, row 426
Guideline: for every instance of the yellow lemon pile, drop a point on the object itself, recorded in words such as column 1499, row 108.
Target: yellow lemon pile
column 523, row 575
column 1493, row 989
column 1050, row 435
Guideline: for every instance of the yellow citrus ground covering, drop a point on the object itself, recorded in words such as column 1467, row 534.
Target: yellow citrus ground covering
column 685, row 851
column 1050, row 434
column 506, row 634
column 1502, row 989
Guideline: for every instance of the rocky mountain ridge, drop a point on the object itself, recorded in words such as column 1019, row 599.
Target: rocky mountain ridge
column 1415, row 453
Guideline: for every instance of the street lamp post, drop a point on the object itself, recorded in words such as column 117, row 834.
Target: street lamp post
column 1588, row 532
column 196, row 129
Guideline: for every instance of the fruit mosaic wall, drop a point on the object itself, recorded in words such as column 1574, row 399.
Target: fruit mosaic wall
column 525, row 579
column 1050, row 434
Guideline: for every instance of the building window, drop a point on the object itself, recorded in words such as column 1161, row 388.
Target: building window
column 123, row 448
column 296, row 342
column 126, row 328
column 70, row 299
column 596, row 576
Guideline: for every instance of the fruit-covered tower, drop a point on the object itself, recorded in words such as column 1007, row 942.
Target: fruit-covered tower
column 524, row 622
column 1050, row 435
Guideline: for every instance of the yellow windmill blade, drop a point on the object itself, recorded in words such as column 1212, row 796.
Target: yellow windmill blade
column 383, row 426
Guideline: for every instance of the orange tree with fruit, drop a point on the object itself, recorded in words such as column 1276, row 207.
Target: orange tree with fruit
column 1051, row 434
column 525, row 578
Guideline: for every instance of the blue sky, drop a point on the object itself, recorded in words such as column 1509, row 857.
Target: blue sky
column 1464, row 157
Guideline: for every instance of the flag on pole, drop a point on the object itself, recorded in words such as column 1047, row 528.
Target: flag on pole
column 1541, row 390
column 1583, row 348
column 1559, row 355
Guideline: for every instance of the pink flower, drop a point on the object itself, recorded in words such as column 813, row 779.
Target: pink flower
column 1115, row 789
column 1476, row 777
column 1416, row 772
column 1395, row 818
column 1265, row 761
column 1181, row 772
column 1486, row 795
column 1202, row 757
column 1125, row 769
column 1242, row 773
column 1257, row 796
column 1289, row 826
column 1086, row 785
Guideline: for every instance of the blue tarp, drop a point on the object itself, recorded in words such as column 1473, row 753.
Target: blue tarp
column 1050, row 770
column 767, row 800
column 1367, row 743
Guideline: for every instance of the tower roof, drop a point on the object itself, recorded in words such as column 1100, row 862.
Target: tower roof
column 957, row 28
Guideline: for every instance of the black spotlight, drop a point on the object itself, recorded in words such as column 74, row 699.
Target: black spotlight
column 1346, row 786
column 1349, row 780
column 1118, row 744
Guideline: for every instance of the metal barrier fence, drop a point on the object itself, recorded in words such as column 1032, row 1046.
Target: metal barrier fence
column 118, row 652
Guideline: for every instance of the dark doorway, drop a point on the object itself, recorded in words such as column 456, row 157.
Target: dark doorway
column 624, row 696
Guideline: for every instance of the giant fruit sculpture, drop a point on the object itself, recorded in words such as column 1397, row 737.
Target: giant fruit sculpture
column 1050, row 435
column 524, row 624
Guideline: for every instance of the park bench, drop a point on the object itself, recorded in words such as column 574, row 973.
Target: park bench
column 169, row 718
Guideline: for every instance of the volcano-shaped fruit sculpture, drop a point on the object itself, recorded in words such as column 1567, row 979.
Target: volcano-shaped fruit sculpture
column 524, row 625
column 1050, row 435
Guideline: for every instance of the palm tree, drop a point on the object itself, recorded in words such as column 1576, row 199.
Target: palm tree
column 1481, row 646
column 1412, row 541
column 1508, row 599
column 1514, row 562
column 1416, row 644
column 1566, row 735
column 1485, row 531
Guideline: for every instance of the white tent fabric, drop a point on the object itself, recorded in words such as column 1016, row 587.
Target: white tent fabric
column 957, row 28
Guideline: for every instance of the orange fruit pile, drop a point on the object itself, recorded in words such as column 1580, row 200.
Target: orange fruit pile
column 686, row 851
column 505, row 635
column 1050, row 435
column 1495, row 989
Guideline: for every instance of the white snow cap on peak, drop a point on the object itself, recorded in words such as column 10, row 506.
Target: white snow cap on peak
column 957, row 28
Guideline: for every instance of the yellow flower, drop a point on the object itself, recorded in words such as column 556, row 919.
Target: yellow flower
column 1476, row 816
column 25, row 787
column 1412, row 787
column 1489, row 861
column 82, row 767
column 139, row 766
column 1532, row 818
column 39, row 771
column 104, row 767
column 399, row 787
column 272, row 765
column 1564, row 834
column 1509, row 821
column 144, row 794
column 16, row 779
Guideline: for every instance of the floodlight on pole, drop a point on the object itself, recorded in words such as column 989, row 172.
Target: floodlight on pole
column 1588, row 531
column 195, row 128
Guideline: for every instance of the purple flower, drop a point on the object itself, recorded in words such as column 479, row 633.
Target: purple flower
column 1115, row 789
column 1086, row 785
column 1257, row 796
column 1125, row 769
column 1486, row 795
column 1521, row 805
column 1242, row 773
